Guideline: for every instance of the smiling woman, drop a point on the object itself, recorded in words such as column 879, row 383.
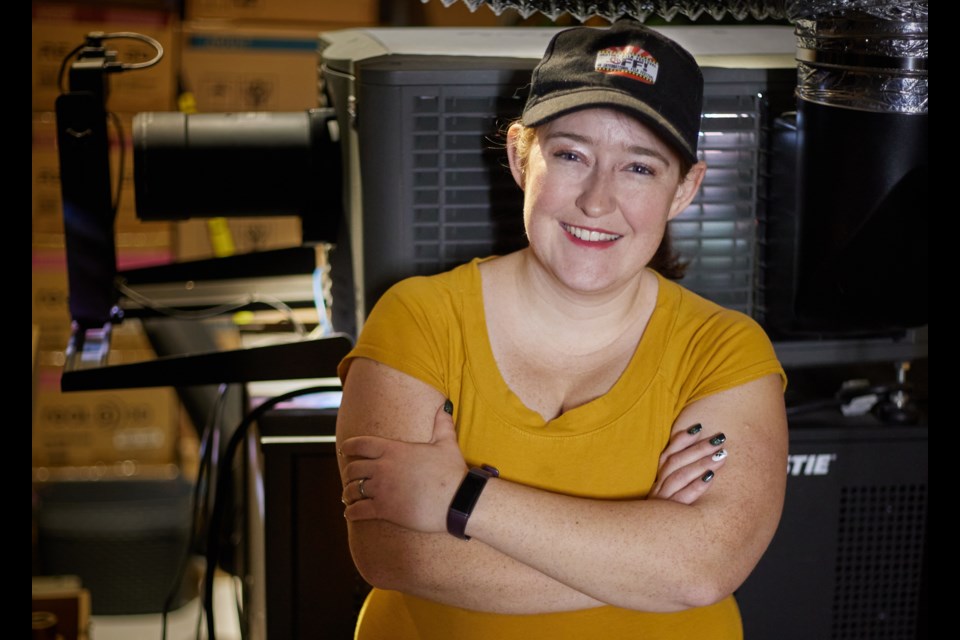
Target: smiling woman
column 562, row 442
column 599, row 166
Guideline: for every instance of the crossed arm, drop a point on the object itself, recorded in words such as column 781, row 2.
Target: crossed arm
column 533, row 551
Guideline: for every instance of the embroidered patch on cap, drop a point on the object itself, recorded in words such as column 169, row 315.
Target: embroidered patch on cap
column 630, row 61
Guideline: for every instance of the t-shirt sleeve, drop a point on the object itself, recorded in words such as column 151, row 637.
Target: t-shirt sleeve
column 406, row 331
column 727, row 350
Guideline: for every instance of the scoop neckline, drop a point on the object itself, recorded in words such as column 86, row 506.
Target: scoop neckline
column 626, row 391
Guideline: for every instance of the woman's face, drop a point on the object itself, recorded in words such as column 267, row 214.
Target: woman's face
column 599, row 187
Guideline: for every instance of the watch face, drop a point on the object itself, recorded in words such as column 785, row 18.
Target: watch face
column 469, row 491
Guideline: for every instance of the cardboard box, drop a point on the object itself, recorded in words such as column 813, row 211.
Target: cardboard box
column 229, row 66
column 131, row 234
column 193, row 237
column 34, row 371
column 58, row 28
column 66, row 601
column 47, row 201
column 90, row 428
column 51, row 314
column 119, row 470
column 50, row 310
column 356, row 12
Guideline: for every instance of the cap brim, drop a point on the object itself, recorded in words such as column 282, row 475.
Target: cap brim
column 557, row 105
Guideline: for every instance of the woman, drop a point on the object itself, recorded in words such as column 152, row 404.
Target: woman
column 603, row 395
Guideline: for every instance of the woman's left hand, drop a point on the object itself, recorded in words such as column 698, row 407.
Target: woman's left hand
column 409, row 484
column 688, row 465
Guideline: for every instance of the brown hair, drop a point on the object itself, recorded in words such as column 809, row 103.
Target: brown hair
column 665, row 261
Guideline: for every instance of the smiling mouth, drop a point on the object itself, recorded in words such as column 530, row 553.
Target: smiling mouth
column 589, row 236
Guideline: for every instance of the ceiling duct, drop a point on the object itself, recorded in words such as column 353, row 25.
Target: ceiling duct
column 693, row 9
column 861, row 54
column 869, row 56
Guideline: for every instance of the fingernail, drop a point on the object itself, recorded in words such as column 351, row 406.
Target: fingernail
column 339, row 452
column 708, row 476
column 695, row 429
column 720, row 455
column 718, row 439
column 448, row 406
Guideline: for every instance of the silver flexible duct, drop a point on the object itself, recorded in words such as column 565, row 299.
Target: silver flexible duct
column 638, row 9
column 582, row 10
column 861, row 54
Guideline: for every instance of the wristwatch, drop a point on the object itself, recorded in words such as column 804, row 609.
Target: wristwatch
column 465, row 499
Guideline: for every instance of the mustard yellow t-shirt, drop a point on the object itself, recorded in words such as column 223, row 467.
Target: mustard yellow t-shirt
column 433, row 328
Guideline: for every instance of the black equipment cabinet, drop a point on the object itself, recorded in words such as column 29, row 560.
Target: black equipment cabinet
column 301, row 581
column 847, row 562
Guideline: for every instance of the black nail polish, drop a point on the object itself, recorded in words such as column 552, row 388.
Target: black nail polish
column 448, row 406
column 708, row 476
column 695, row 429
column 718, row 439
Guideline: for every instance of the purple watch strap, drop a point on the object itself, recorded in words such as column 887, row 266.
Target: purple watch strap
column 466, row 498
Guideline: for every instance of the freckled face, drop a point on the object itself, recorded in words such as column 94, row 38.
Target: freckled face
column 600, row 187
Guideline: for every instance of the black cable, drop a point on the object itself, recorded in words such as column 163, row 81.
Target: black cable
column 238, row 600
column 63, row 65
column 130, row 66
column 122, row 142
column 199, row 505
column 845, row 396
column 815, row 405
column 214, row 311
column 223, row 482
column 125, row 66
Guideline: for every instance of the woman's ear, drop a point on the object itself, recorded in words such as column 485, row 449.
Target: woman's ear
column 687, row 189
column 513, row 155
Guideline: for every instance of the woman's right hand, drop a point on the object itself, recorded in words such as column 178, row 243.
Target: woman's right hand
column 688, row 465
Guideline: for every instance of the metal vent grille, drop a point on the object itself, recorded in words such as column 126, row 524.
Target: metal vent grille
column 465, row 203
column 717, row 233
column 881, row 535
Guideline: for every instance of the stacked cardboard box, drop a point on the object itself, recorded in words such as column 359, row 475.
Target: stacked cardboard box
column 256, row 55
column 356, row 12
column 58, row 29
column 61, row 608
column 132, row 236
column 140, row 433
column 125, row 428
column 260, row 55
column 114, row 432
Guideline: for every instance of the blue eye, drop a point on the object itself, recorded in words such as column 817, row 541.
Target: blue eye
column 642, row 169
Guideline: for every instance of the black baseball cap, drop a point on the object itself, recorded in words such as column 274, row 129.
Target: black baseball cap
column 626, row 66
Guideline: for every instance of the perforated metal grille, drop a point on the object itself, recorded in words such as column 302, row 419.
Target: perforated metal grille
column 465, row 203
column 881, row 532
column 717, row 233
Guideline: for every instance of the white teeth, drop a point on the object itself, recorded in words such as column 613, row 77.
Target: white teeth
column 589, row 236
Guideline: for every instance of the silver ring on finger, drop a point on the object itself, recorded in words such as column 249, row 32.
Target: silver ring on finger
column 363, row 495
